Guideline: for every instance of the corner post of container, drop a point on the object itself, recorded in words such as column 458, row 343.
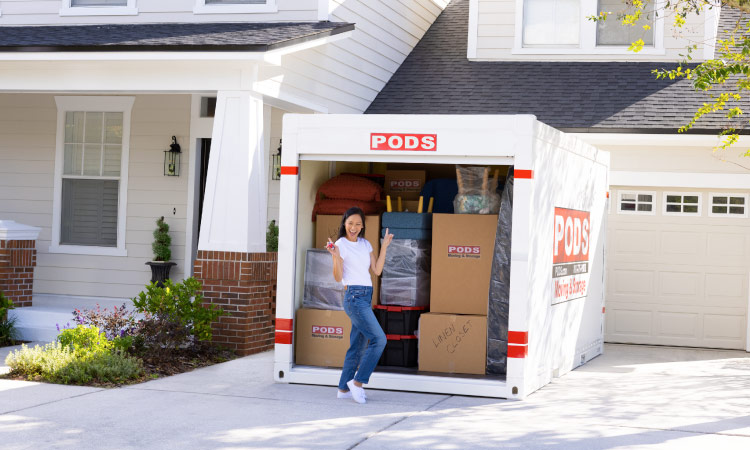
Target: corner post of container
column 285, row 278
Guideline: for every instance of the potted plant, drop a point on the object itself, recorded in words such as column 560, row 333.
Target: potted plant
column 161, row 265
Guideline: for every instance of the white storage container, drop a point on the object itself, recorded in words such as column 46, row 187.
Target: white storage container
column 558, row 235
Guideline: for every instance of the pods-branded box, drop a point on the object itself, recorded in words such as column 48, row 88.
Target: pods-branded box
column 452, row 343
column 321, row 337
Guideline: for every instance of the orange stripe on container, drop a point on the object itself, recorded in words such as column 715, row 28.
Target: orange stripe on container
column 607, row 194
column 518, row 337
column 602, row 309
column 518, row 351
column 282, row 337
column 284, row 324
column 517, row 173
column 289, row 170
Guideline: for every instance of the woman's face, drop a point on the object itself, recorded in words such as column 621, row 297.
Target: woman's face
column 353, row 225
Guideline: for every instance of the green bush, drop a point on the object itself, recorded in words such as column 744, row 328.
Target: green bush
column 175, row 313
column 58, row 363
column 272, row 237
column 8, row 332
column 85, row 341
column 162, row 241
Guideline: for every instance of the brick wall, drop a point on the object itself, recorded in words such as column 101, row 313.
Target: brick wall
column 244, row 285
column 17, row 261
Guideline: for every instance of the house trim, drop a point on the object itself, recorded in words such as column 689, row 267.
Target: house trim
column 681, row 180
column 68, row 10
column 91, row 103
column 471, row 47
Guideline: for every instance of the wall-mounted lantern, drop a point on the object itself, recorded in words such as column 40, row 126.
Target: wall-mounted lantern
column 276, row 164
column 172, row 159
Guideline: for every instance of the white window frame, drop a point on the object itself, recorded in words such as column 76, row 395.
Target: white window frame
column 587, row 45
column 683, row 195
column 636, row 212
column 68, row 10
column 202, row 8
column 67, row 104
column 726, row 215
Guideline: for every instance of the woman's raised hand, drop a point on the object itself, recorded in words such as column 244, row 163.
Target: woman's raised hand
column 387, row 238
column 332, row 249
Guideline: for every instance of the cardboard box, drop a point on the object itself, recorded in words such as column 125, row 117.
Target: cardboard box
column 452, row 343
column 404, row 183
column 321, row 337
column 462, row 249
column 327, row 226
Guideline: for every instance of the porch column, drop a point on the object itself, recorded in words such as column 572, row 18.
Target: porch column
column 232, row 264
column 17, row 261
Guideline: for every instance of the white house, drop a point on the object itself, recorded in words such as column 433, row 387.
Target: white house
column 678, row 253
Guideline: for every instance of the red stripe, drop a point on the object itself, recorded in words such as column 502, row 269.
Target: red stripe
column 607, row 194
column 401, row 308
column 399, row 337
column 602, row 309
column 284, row 324
column 283, row 338
column 518, row 351
column 518, row 337
column 517, row 173
column 289, row 170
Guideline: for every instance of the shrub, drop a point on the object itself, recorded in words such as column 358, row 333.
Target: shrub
column 175, row 314
column 162, row 241
column 85, row 341
column 8, row 332
column 58, row 363
column 272, row 237
column 117, row 323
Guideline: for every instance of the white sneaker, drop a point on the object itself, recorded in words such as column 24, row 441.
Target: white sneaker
column 347, row 394
column 358, row 393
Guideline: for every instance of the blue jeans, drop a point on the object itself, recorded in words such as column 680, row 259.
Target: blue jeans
column 366, row 341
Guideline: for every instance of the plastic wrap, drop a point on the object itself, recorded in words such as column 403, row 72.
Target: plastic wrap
column 321, row 291
column 406, row 273
column 497, row 314
column 476, row 191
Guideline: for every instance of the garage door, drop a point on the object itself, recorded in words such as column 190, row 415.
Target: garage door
column 678, row 266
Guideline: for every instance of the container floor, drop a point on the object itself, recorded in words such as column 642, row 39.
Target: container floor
column 414, row 371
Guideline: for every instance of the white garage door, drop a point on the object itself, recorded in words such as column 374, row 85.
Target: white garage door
column 678, row 266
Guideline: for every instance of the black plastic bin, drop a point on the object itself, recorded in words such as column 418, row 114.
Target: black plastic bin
column 401, row 320
column 400, row 351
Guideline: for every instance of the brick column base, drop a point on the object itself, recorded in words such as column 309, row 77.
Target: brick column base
column 17, row 261
column 244, row 285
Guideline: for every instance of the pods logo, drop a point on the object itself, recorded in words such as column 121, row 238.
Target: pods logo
column 403, row 142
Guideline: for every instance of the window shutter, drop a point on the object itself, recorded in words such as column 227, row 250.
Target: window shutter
column 89, row 212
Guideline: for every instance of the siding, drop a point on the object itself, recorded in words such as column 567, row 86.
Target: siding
column 27, row 153
column 47, row 12
column 496, row 32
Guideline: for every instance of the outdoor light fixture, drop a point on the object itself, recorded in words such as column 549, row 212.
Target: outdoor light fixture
column 172, row 159
column 276, row 164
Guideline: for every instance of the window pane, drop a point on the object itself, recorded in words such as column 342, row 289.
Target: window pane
column 630, row 197
column 627, row 207
column 112, row 156
column 644, row 207
column 113, row 128
column 673, row 208
column 89, row 212
column 235, row 2
column 94, row 127
column 719, row 209
column 690, row 208
column 73, row 127
column 720, row 200
column 737, row 210
column 72, row 159
column 690, row 199
column 99, row 3
column 92, row 159
column 737, row 200
column 644, row 198
column 674, row 198
column 613, row 32
column 551, row 23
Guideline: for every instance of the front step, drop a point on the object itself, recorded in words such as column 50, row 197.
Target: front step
column 40, row 322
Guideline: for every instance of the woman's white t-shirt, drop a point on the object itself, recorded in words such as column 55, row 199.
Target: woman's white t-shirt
column 356, row 256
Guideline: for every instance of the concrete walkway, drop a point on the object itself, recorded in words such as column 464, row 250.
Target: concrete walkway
column 632, row 397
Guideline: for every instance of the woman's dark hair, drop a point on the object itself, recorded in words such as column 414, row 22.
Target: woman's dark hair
column 350, row 212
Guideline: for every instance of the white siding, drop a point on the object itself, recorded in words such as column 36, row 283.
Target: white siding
column 27, row 152
column 496, row 28
column 346, row 75
column 47, row 12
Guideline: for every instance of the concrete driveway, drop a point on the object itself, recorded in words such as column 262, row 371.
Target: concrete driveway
column 631, row 397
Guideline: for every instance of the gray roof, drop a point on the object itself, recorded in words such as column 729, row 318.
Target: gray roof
column 254, row 37
column 437, row 78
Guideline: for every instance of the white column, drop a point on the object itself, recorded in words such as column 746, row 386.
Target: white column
column 235, row 204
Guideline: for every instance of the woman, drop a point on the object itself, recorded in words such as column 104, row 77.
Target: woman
column 353, row 258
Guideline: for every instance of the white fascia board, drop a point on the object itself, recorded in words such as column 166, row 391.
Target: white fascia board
column 680, row 179
column 711, row 31
column 274, row 56
column 684, row 140
column 471, row 46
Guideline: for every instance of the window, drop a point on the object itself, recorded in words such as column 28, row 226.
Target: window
column 728, row 205
column 98, row 8
column 685, row 203
column 234, row 6
column 551, row 23
column 612, row 32
column 636, row 202
column 91, row 175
